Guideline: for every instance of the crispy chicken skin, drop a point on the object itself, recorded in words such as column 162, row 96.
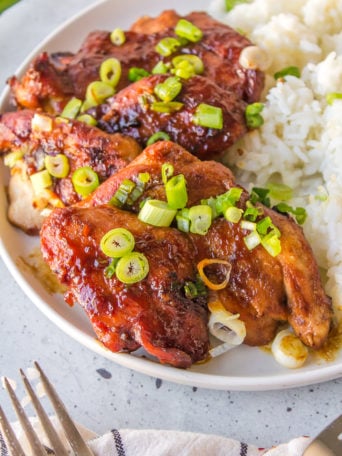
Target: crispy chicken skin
column 264, row 290
column 82, row 144
column 126, row 113
column 153, row 313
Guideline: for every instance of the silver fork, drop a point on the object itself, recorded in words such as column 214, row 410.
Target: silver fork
column 77, row 443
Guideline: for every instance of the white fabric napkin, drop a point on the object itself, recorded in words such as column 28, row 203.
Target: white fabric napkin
column 128, row 442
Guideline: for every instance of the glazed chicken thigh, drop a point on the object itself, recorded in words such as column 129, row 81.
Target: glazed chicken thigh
column 33, row 136
column 222, row 82
column 263, row 289
column 153, row 313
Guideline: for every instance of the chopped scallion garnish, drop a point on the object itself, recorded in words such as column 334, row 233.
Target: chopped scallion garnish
column 230, row 4
column 57, row 165
column 252, row 115
column 169, row 89
column 159, row 136
column 132, row 267
column 72, row 108
column 200, row 217
column 176, row 192
column 332, row 96
column 123, row 192
column 299, row 213
column 288, row 71
column 85, row 180
column 166, row 107
column 280, row 192
column 135, row 74
column 157, row 213
column 118, row 37
column 167, row 46
column 208, row 116
column 110, row 71
column 188, row 62
column 40, row 181
column 117, row 242
column 161, row 68
column 166, row 172
column 189, row 31
column 97, row 92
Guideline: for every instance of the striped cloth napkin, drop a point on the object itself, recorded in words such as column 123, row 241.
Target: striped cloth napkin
column 128, row 442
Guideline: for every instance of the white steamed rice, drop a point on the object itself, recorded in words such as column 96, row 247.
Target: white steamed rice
column 300, row 143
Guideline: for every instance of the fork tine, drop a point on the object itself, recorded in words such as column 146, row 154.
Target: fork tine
column 10, row 438
column 36, row 446
column 52, row 435
column 74, row 437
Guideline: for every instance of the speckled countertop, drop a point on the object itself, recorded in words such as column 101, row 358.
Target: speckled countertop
column 102, row 395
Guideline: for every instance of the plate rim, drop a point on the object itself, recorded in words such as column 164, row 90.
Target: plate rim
column 329, row 371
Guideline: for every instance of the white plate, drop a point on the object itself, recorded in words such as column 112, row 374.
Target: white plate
column 244, row 368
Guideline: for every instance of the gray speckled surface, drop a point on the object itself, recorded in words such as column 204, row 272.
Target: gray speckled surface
column 102, row 395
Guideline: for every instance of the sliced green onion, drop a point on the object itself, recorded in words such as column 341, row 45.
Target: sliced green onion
column 161, row 68
column 169, row 89
column 139, row 188
column 110, row 71
column 288, row 71
column 233, row 214
column 247, row 225
column 230, row 4
column 57, row 165
column 145, row 100
column 176, row 192
column 263, row 225
column 332, row 96
column 166, row 172
column 280, row 192
column 208, row 116
column 159, row 136
column 200, row 219
column 40, row 181
column 85, row 180
column 123, row 192
column 132, row 267
column 251, row 212
column 109, row 272
column 195, row 289
column 166, row 107
column 252, row 240
column 167, row 46
column 299, row 212
column 186, row 29
column 184, row 70
column 260, row 195
column 157, row 213
column 118, row 37
column 88, row 119
column 190, row 59
column 117, row 242
column 212, row 203
column 72, row 108
column 135, row 74
column 183, row 221
column 98, row 91
column 253, row 116
column 271, row 243
column 11, row 159
column 227, row 199
column 87, row 104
